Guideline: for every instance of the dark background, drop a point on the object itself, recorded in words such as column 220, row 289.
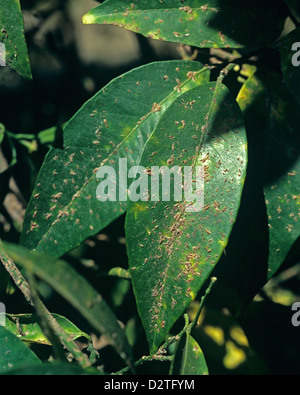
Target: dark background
column 70, row 62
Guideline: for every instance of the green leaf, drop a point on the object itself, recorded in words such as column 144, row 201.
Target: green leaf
column 14, row 354
column 278, row 123
column 26, row 327
column 77, row 291
column 289, row 59
column 116, row 123
column 282, row 173
column 54, row 369
column 47, row 137
column 188, row 358
column 172, row 250
column 12, row 36
column 200, row 23
column 243, row 268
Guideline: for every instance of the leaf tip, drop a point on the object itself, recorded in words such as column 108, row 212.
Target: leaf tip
column 88, row 19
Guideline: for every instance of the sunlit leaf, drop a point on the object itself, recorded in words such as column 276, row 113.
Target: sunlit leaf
column 201, row 23
column 171, row 249
column 115, row 124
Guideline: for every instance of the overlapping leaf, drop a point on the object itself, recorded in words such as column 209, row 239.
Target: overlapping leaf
column 116, row 123
column 280, row 169
column 26, row 327
column 14, row 354
column 188, row 359
column 172, row 250
column 282, row 173
column 75, row 289
column 12, row 36
column 201, row 23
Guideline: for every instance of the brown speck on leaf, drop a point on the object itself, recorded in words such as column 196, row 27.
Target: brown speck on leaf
column 187, row 9
column 57, row 196
column 156, row 107
column 191, row 75
column 33, row 226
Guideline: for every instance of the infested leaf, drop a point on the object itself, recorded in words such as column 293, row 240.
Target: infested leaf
column 115, row 124
column 188, row 359
column 200, row 23
column 171, row 248
column 12, row 36
column 280, row 168
column 14, row 354
column 282, row 173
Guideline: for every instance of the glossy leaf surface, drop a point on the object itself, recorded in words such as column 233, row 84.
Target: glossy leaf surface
column 201, row 23
column 188, row 359
column 12, row 36
column 171, row 249
column 115, row 124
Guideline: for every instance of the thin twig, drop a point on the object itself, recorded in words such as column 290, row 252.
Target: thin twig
column 202, row 301
column 42, row 313
column 159, row 356
column 41, row 309
column 16, row 275
column 144, row 359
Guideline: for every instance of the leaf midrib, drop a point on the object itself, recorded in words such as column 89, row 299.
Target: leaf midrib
column 202, row 138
